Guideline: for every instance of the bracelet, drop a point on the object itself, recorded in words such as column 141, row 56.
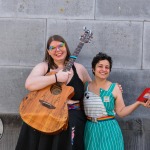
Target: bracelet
column 56, row 78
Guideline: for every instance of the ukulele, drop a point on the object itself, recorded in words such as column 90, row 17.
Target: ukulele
column 46, row 109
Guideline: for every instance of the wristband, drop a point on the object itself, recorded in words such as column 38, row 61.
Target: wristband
column 56, row 78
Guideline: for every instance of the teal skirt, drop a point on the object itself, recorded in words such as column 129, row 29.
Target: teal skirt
column 103, row 135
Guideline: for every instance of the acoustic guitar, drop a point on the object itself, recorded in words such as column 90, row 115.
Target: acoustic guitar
column 46, row 110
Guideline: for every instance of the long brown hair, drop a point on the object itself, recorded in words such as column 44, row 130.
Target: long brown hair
column 48, row 58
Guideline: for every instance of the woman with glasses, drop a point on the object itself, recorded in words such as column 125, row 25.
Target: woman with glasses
column 56, row 56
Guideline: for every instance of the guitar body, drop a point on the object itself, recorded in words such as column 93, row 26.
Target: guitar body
column 45, row 110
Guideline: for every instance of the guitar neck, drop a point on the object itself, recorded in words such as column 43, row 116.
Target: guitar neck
column 73, row 57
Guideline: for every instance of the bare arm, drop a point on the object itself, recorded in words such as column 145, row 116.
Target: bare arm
column 82, row 72
column 37, row 79
column 120, row 107
column 86, row 76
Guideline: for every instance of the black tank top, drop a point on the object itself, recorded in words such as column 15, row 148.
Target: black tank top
column 78, row 86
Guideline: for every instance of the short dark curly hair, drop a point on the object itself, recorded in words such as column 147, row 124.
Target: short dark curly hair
column 101, row 56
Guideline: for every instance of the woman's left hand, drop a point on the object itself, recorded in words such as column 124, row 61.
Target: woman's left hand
column 146, row 104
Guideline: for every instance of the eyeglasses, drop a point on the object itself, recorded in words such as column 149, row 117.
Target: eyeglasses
column 57, row 47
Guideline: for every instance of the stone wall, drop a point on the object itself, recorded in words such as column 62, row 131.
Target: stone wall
column 120, row 28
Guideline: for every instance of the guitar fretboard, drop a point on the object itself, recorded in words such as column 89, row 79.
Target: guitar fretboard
column 72, row 60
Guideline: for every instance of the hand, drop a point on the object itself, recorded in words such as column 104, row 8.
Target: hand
column 62, row 76
column 120, row 87
column 72, row 101
column 147, row 104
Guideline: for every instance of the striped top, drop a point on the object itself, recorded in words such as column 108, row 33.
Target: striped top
column 99, row 105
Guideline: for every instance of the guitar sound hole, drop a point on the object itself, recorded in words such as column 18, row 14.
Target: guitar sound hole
column 56, row 89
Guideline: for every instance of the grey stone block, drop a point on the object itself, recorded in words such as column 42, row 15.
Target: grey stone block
column 132, row 134
column 146, row 47
column 135, row 133
column 22, row 41
column 48, row 9
column 146, row 142
column 121, row 40
column 122, row 10
column 12, row 88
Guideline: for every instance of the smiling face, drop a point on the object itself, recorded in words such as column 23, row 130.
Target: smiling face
column 101, row 65
column 102, row 69
column 57, row 50
column 56, row 43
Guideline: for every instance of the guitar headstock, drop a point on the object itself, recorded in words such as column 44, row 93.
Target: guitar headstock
column 87, row 36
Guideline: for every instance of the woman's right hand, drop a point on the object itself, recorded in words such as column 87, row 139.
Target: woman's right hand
column 62, row 76
column 120, row 87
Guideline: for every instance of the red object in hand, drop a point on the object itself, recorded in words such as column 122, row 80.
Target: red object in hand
column 144, row 95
